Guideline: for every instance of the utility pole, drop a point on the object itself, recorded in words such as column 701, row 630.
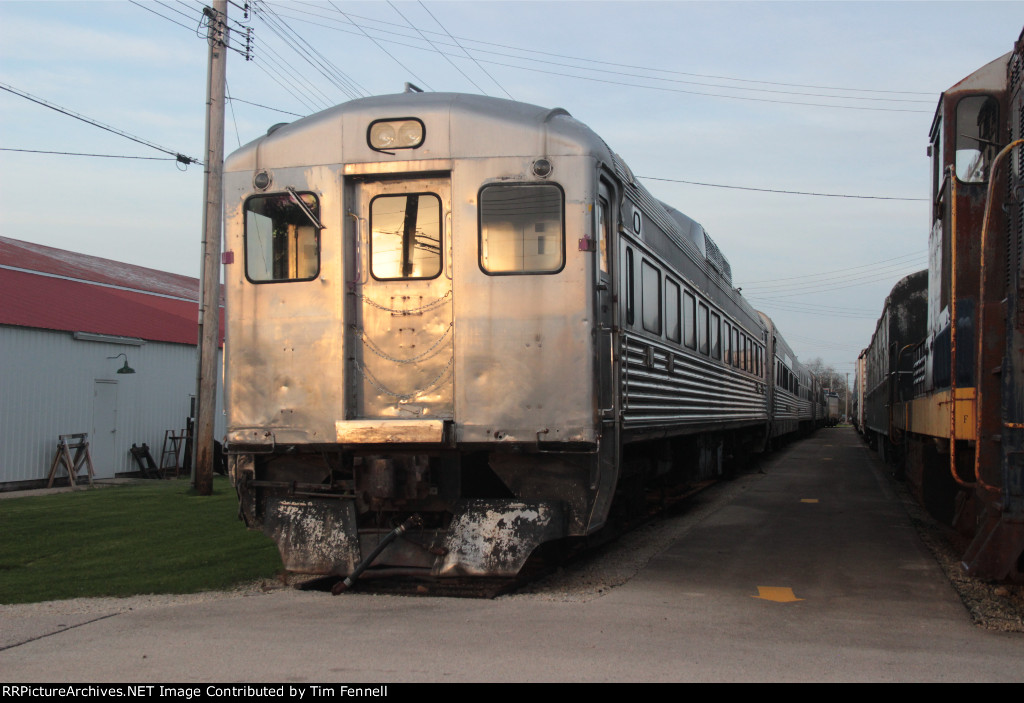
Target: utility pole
column 209, row 283
column 847, row 413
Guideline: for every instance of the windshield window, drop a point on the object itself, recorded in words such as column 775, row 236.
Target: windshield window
column 976, row 132
column 405, row 236
column 281, row 243
column 521, row 229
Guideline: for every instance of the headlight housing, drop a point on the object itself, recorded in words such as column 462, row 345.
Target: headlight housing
column 402, row 133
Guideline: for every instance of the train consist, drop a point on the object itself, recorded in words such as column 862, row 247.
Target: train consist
column 462, row 321
column 940, row 389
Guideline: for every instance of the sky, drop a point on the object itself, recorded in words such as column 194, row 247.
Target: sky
column 760, row 120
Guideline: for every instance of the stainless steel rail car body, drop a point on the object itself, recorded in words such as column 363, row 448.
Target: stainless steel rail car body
column 791, row 387
column 467, row 309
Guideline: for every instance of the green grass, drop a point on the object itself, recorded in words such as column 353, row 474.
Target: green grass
column 156, row 537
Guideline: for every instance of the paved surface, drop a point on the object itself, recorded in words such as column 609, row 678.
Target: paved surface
column 820, row 522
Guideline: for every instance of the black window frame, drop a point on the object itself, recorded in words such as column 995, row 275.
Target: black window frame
column 315, row 209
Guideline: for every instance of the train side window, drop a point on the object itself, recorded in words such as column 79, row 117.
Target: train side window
column 672, row 329
column 281, row 242
column 726, row 337
column 405, row 236
column 689, row 320
column 735, row 347
column 716, row 346
column 650, row 300
column 702, row 329
column 603, row 229
column 521, row 229
column 630, row 297
column 976, row 135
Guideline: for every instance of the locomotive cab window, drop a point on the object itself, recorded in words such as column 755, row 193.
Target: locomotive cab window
column 282, row 242
column 976, row 136
column 405, row 236
column 521, row 229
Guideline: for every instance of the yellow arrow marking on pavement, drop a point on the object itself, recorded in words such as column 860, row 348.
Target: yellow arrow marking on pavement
column 776, row 593
column 808, row 500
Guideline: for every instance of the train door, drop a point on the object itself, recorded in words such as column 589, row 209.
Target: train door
column 401, row 349
column 605, row 303
column 605, row 315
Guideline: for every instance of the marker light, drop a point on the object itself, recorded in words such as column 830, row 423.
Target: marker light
column 395, row 134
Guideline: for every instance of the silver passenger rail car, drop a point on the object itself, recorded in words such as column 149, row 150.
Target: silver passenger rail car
column 467, row 309
column 790, row 387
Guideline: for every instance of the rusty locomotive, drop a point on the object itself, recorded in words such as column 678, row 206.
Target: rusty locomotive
column 941, row 386
column 464, row 321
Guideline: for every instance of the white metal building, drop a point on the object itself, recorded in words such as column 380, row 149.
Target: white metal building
column 69, row 325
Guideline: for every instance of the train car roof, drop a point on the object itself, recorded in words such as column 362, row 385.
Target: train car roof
column 460, row 125
column 989, row 78
column 500, row 128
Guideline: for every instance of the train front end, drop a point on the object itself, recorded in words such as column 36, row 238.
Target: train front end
column 409, row 335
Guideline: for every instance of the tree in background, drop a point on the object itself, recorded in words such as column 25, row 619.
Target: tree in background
column 830, row 379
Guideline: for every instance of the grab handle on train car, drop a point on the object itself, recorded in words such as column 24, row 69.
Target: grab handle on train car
column 357, row 263
column 448, row 225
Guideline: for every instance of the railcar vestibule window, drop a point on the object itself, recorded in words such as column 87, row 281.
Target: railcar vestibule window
column 521, row 229
column 405, row 236
column 282, row 243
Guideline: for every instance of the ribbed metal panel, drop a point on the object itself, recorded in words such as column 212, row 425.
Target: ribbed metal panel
column 695, row 390
column 47, row 384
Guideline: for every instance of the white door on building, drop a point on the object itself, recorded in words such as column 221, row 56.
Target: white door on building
column 103, row 438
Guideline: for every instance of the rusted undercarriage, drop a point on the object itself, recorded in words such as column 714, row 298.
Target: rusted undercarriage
column 328, row 512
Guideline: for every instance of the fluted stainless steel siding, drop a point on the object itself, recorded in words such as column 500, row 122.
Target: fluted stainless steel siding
column 697, row 390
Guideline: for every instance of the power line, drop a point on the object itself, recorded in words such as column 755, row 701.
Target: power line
column 633, row 66
column 102, row 156
column 901, row 257
column 265, row 107
column 169, row 19
column 64, row 111
column 466, row 52
column 832, row 281
column 393, row 58
column 446, row 56
column 363, row 30
column 783, row 192
column 827, row 287
column 305, row 50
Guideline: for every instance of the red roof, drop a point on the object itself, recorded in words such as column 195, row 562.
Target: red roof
column 60, row 290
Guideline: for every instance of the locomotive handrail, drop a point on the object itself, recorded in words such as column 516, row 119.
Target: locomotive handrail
column 952, row 332
column 979, row 396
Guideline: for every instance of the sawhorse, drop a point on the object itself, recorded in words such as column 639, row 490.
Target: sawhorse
column 65, row 443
